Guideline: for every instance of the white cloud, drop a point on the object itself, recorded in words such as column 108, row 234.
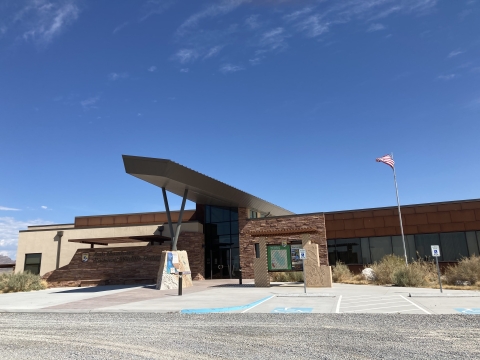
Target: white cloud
column 152, row 68
column 46, row 20
column 221, row 8
column 4, row 208
column 296, row 14
column 252, row 22
column 229, row 68
column 9, row 228
column 115, row 76
column 154, row 7
column 447, row 77
column 314, row 25
column 186, row 55
column 376, row 27
column 185, row 70
column 274, row 39
column 44, row 207
column 90, row 103
column 120, row 27
column 212, row 52
column 455, row 53
column 139, row 114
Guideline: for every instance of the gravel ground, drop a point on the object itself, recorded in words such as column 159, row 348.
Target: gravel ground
column 237, row 336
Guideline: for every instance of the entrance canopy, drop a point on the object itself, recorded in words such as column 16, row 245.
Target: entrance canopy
column 202, row 189
column 122, row 240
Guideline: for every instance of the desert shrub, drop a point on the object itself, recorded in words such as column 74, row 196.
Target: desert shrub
column 25, row 281
column 409, row 276
column 467, row 269
column 341, row 272
column 290, row 276
column 385, row 268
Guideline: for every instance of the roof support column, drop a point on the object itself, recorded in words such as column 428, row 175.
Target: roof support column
column 179, row 223
column 167, row 209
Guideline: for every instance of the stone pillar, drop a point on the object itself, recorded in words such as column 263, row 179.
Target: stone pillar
column 316, row 275
column 171, row 263
column 260, row 265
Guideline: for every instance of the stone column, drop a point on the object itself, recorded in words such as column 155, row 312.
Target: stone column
column 260, row 265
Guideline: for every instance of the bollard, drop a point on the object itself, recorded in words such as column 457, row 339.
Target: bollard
column 180, row 283
column 240, row 278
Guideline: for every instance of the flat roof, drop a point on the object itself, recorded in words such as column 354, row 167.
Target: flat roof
column 121, row 240
column 202, row 189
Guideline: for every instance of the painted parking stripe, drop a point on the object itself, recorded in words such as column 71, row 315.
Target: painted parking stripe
column 337, row 310
column 370, row 304
column 226, row 309
column 292, row 310
column 411, row 302
column 348, row 300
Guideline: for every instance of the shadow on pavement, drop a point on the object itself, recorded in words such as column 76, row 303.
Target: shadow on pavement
column 95, row 289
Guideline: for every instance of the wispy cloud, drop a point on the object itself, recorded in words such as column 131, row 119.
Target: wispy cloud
column 154, row 7
column 90, row 103
column 376, row 27
column 274, row 39
column 152, row 68
column 252, row 22
column 4, row 208
column 455, row 53
column 212, row 52
column 45, row 20
column 221, row 8
column 120, row 27
column 185, row 70
column 116, row 76
column 447, row 77
column 229, row 68
column 9, row 228
column 186, row 55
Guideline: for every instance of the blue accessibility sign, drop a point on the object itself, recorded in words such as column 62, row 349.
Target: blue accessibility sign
column 292, row 310
column 472, row 311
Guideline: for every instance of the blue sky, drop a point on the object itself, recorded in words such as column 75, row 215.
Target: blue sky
column 291, row 101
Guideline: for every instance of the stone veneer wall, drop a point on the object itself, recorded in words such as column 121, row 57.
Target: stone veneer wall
column 246, row 241
column 126, row 265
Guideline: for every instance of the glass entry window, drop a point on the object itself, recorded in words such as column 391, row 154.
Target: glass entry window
column 222, row 256
column 32, row 263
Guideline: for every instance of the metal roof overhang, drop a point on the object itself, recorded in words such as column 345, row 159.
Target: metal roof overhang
column 122, row 240
column 202, row 189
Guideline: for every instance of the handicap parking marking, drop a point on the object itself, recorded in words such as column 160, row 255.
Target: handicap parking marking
column 242, row 308
column 291, row 310
column 472, row 311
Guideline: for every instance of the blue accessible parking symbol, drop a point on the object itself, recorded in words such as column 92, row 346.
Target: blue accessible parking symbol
column 292, row 310
column 472, row 311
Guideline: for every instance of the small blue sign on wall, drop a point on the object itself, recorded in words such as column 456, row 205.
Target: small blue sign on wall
column 472, row 311
column 292, row 310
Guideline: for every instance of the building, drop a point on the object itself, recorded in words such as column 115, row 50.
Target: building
column 221, row 233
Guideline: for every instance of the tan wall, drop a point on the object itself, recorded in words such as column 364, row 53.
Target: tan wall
column 44, row 241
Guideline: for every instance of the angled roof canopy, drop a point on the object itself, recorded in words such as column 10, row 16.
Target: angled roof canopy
column 202, row 189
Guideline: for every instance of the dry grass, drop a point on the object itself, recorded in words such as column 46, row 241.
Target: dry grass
column 290, row 276
column 467, row 269
column 25, row 281
column 341, row 273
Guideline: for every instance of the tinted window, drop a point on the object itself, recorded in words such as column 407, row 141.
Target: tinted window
column 379, row 247
column 453, row 246
column 348, row 251
column 423, row 244
column 332, row 256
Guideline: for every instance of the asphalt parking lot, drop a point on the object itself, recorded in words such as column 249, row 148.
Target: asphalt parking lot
column 224, row 296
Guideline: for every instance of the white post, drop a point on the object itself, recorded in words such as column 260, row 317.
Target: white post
column 399, row 213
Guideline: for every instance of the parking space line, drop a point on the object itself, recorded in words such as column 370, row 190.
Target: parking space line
column 367, row 296
column 261, row 302
column 379, row 303
column 367, row 301
column 411, row 302
column 338, row 304
column 384, row 307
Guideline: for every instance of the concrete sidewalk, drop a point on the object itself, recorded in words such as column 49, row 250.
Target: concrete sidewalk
column 227, row 296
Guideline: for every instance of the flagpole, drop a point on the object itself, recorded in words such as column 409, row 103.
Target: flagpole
column 399, row 213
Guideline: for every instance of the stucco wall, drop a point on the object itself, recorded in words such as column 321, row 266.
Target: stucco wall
column 44, row 241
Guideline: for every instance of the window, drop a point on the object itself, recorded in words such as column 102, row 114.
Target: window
column 32, row 263
column 348, row 251
column 332, row 254
column 454, row 246
column 380, row 246
column 424, row 242
column 366, row 259
column 472, row 243
column 252, row 214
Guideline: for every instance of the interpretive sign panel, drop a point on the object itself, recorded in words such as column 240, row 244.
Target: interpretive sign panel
column 297, row 263
column 279, row 258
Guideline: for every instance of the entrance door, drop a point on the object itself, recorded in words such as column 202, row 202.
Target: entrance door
column 219, row 264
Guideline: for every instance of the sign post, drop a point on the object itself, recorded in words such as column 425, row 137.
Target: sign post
column 436, row 254
column 303, row 256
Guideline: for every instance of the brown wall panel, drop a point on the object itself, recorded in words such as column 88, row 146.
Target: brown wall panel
column 474, row 225
column 452, row 227
column 410, row 229
column 345, row 234
column 449, row 207
column 375, row 222
column 416, row 219
column 430, row 228
column 462, row 215
column 343, row 216
column 477, row 214
column 439, row 217
column 383, row 212
column 364, row 233
column 362, row 214
column 107, row 220
column 425, row 209
column 336, row 225
column 386, row 231
column 353, row 224
column 471, row 205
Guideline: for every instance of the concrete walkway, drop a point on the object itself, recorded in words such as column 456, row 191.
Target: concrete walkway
column 227, row 296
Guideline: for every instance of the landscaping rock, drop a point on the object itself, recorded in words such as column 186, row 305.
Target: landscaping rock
column 463, row 283
column 369, row 274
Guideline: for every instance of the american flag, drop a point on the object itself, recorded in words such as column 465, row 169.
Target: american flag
column 387, row 159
